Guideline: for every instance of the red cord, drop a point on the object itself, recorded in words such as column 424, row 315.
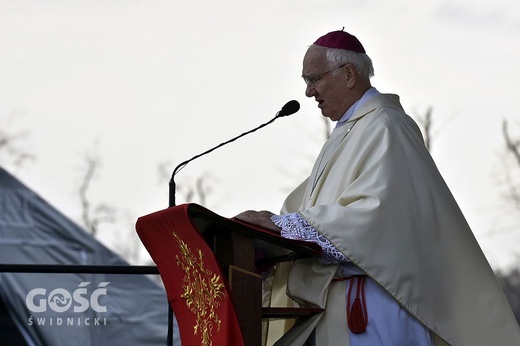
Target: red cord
column 357, row 314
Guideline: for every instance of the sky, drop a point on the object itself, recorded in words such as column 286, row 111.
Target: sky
column 148, row 84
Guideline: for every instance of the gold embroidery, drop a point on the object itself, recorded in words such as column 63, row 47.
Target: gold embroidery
column 203, row 291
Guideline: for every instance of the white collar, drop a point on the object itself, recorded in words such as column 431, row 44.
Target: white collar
column 366, row 96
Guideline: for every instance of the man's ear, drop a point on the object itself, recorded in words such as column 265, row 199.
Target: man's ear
column 351, row 75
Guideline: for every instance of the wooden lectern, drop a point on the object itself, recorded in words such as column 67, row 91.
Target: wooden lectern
column 210, row 269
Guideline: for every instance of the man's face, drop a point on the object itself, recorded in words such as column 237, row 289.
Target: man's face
column 331, row 90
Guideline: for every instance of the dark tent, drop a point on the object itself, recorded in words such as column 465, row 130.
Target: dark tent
column 68, row 309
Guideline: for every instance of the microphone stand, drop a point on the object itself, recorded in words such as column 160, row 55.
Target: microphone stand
column 177, row 169
column 288, row 109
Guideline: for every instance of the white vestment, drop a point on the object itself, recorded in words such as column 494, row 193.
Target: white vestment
column 388, row 322
column 377, row 196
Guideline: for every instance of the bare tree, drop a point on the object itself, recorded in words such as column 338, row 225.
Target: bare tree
column 93, row 214
column 195, row 192
column 11, row 149
column 510, row 280
column 513, row 150
column 513, row 146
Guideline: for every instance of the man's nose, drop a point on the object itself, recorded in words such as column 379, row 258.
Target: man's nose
column 310, row 90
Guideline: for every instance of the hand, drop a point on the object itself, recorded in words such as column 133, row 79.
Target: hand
column 260, row 218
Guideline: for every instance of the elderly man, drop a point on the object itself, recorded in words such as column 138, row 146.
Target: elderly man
column 400, row 264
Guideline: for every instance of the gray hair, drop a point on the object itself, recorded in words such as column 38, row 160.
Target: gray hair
column 361, row 61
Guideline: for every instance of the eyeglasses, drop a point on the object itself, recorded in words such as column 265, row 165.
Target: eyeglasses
column 314, row 80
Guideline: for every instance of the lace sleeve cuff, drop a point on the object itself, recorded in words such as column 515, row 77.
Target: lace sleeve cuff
column 294, row 226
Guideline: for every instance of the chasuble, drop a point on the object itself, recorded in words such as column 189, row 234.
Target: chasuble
column 377, row 196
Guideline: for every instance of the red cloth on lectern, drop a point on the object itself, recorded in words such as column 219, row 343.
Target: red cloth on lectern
column 194, row 283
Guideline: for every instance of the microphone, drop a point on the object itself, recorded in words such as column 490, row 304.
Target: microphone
column 289, row 108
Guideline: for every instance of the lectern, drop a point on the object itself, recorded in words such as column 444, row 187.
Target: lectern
column 210, row 266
